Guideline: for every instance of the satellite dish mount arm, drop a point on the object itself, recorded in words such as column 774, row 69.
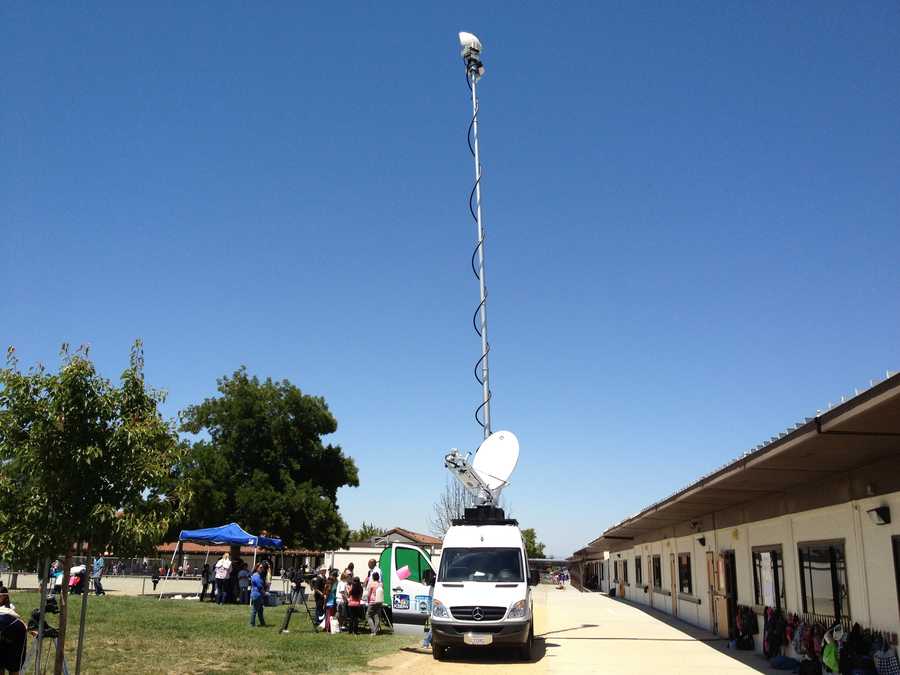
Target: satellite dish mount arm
column 458, row 464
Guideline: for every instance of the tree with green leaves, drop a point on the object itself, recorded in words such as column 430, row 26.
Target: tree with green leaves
column 259, row 460
column 366, row 531
column 84, row 462
column 533, row 547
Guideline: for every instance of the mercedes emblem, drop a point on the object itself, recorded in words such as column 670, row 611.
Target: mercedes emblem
column 478, row 614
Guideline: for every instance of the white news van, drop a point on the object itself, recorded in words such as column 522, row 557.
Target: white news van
column 483, row 590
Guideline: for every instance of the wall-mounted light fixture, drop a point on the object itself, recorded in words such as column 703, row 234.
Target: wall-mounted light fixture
column 880, row 515
column 701, row 541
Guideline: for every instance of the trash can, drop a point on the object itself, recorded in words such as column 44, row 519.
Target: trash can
column 612, row 591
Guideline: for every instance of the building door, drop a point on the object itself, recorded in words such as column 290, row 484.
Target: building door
column 711, row 590
column 720, row 598
column 621, row 592
column 725, row 592
column 673, row 576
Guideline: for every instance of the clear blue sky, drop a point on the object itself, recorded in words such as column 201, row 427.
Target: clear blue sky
column 692, row 211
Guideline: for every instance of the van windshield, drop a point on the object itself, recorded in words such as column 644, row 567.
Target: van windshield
column 481, row 564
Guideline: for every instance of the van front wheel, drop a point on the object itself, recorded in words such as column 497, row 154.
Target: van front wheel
column 525, row 649
column 438, row 651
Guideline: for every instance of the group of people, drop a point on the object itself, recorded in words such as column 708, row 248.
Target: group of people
column 78, row 577
column 231, row 580
column 344, row 600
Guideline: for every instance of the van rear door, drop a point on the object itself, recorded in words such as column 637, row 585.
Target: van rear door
column 408, row 598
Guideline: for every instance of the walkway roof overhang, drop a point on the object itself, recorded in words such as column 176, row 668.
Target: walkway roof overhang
column 857, row 433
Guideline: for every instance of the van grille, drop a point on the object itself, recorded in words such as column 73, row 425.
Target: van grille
column 467, row 613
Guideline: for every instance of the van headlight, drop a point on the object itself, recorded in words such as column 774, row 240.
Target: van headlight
column 439, row 609
column 518, row 610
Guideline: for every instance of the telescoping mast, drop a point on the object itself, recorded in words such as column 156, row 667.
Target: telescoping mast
column 489, row 470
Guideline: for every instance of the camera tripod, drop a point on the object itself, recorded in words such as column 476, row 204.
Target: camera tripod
column 51, row 637
column 293, row 608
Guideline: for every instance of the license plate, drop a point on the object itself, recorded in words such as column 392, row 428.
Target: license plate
column 478, row 638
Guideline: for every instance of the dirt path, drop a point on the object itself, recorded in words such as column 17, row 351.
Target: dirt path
column 591, row 633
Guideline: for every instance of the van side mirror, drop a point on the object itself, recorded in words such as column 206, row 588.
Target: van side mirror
column 534, row 578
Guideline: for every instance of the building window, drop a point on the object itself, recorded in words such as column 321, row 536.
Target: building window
column 625, row 571
column 823, row 579
column 616, row 571
column 684, row 573
column 657, row 572
column 768, row 576
column 638, row 572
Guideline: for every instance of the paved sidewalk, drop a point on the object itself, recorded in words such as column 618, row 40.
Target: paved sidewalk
column 592, row 633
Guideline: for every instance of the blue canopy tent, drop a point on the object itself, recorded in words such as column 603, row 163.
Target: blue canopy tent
column 270, row 542
column 231, row 534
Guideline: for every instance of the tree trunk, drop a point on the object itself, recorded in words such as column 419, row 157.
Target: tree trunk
column 42, row 612
column 64, row 613
column 13, row 580
column 84, row 601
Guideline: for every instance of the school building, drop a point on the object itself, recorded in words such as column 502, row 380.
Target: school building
column 808, row 523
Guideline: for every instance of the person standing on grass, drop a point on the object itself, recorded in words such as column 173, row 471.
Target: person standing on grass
column 354, row 605
column 429, row 578
column 97, row 574
column 244, row 583
column 13, row 636
column 318, row 584
column 342, row 597
column 205, row 576
column 222, row 569
column 372, row 563
column 330, row 600
column 376, row 602
column 258, row 594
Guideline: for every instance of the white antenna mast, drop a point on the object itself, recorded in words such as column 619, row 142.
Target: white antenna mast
column 494, row 461
column 471, row 53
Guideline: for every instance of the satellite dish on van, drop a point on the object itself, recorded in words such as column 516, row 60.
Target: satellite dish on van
column 496, row 459
column 489, row 471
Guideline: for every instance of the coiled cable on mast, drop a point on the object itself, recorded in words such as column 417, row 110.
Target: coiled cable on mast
column 479, row 245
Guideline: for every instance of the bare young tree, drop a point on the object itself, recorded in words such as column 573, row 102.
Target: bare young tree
column 452, row 504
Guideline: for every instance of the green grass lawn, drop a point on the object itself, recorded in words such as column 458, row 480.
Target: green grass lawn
column 145, row 635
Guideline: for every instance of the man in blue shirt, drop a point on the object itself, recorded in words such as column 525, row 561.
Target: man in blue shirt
column 97, row 573
column 258, row 593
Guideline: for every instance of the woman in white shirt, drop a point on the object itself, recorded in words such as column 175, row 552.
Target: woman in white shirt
column 222, row 569
column 342, row 597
